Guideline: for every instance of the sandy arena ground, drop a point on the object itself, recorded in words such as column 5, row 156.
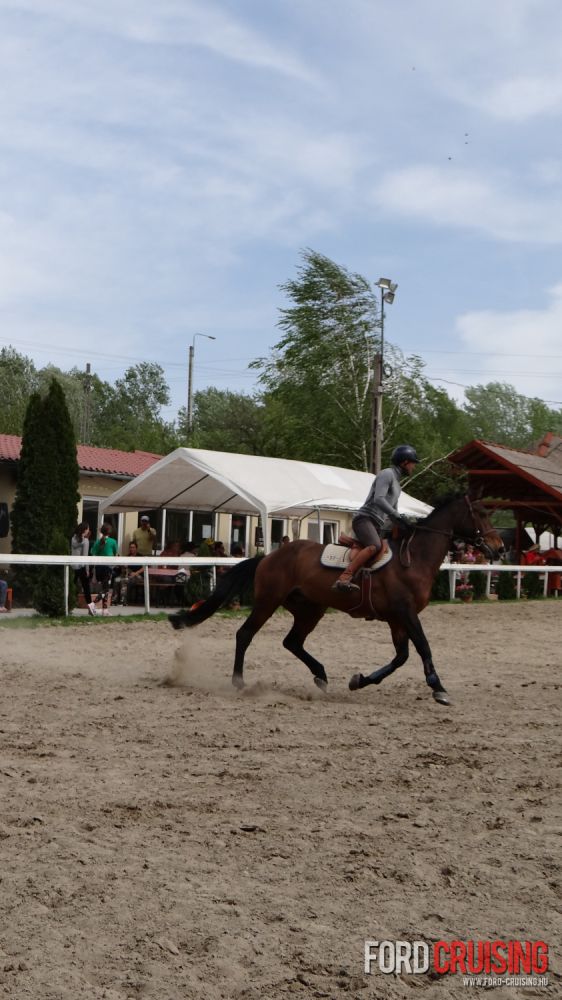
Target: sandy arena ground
column 188, row 841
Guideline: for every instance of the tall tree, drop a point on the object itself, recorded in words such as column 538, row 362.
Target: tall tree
column 235, row 422
column 45, row 507
column 321, row 372
column 497, row 412
column 129, row 415
column 18, row 379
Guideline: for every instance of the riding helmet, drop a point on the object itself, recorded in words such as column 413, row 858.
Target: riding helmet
column 404, row 453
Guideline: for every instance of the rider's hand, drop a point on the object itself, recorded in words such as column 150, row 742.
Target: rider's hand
column 403, row 521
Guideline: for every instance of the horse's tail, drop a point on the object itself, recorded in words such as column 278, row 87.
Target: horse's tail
column 227, row 587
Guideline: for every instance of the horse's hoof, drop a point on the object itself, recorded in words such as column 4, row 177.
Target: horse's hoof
column 321, row 683
column 442, row 697
column 356, row 682
column 177, row 621
column 237, row 682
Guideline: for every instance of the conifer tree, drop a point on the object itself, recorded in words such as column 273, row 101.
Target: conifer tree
column 45, row 507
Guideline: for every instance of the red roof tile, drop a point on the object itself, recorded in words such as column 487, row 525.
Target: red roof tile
column 107, row 460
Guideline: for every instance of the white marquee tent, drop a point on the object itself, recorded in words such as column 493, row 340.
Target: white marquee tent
column 222, row 482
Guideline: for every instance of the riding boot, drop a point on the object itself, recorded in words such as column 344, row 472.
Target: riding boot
column 345, row 581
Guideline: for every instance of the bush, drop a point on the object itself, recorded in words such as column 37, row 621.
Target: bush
column 533, row 585
column 440, row 588
column 478, row 581
column 48, row 593
column 506, row 588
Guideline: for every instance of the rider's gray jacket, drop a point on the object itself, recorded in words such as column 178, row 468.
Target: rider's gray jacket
column 382, row 501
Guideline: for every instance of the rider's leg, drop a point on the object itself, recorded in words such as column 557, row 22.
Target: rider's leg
column 368, row 536
column 345, row 581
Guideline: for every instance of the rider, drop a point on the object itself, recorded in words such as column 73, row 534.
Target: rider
column 380, row 505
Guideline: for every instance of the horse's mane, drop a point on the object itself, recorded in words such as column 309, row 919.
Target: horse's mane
column 443, row 501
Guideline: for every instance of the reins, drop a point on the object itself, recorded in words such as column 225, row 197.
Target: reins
column 477, row 538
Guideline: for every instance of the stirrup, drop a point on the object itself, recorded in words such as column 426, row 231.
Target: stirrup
column 345, row 585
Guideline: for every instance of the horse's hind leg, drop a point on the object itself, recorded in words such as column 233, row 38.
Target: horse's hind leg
column 400, row 640
column 306, row 617
column 244, row 636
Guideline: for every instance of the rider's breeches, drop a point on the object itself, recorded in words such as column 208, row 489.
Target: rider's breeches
column 366, row 532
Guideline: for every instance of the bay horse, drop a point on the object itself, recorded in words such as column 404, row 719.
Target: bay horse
column 294, row 578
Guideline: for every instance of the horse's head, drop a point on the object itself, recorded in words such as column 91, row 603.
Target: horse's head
column 475, row 527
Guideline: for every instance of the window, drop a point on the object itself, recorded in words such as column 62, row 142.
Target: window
column 177, row 526
column 277, row 531
column 238, row 530
column 328, row 531
column 203, row 526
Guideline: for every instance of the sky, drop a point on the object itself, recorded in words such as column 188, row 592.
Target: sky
column 163, row 166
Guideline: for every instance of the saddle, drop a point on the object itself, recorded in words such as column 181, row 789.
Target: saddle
column 340, row 555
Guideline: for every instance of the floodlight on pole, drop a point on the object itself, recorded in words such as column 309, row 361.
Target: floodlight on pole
column 190, row 378
column 388, row 292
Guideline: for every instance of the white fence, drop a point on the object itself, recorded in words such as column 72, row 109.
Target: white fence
column 67, row 562
column 456, row 571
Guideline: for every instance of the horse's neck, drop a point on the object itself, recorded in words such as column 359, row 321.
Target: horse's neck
column 434, row 543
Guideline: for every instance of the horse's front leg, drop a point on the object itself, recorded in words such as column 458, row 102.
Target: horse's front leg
column 417, row 635
column 409, row 628
column 400, row 640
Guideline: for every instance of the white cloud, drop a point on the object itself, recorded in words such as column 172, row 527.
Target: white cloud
column 524, row 97
column 185, row 23
column 527, row 342
column 467, row 199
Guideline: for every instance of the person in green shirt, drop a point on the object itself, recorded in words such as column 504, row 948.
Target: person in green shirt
column 104, row 546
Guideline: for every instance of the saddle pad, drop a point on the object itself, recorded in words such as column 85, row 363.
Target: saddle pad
column 338, row 557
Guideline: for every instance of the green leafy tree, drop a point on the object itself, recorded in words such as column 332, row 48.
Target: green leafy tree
column 235, row 422
column 321, row 375
column 497, row 412
column 321, row 371
column 18, row 379
column 128, row 416
column 45, row 506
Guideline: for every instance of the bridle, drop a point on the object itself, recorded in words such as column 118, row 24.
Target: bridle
column 479, row 537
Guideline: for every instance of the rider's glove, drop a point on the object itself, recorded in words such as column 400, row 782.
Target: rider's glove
column 403, row 521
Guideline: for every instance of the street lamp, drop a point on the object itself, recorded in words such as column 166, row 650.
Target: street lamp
column 190, row 379
column 388, row 291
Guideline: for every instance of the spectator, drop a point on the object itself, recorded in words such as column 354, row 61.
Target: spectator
column 80, row 546
column 3, row 592
column 105, row 546
column 285, row 540
column 237, row 551
column 220, row 552
column 145, row 537
column 133, row 576
column 171, row 549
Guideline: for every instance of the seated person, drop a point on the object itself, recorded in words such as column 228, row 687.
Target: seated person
column 171, row 549
column 132, row 576
column 220, row 552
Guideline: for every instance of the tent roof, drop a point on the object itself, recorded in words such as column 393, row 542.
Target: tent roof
column 195, row 479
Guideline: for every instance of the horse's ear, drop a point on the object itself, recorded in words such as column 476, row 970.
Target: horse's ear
column 475, row 490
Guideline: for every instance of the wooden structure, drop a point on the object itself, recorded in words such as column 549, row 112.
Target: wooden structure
column 529, row 483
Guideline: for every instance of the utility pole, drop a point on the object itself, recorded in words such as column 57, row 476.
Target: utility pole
column 376, row 434
column 191, row 358
column 388, row 290
column 85, row 424
column 190, row 387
